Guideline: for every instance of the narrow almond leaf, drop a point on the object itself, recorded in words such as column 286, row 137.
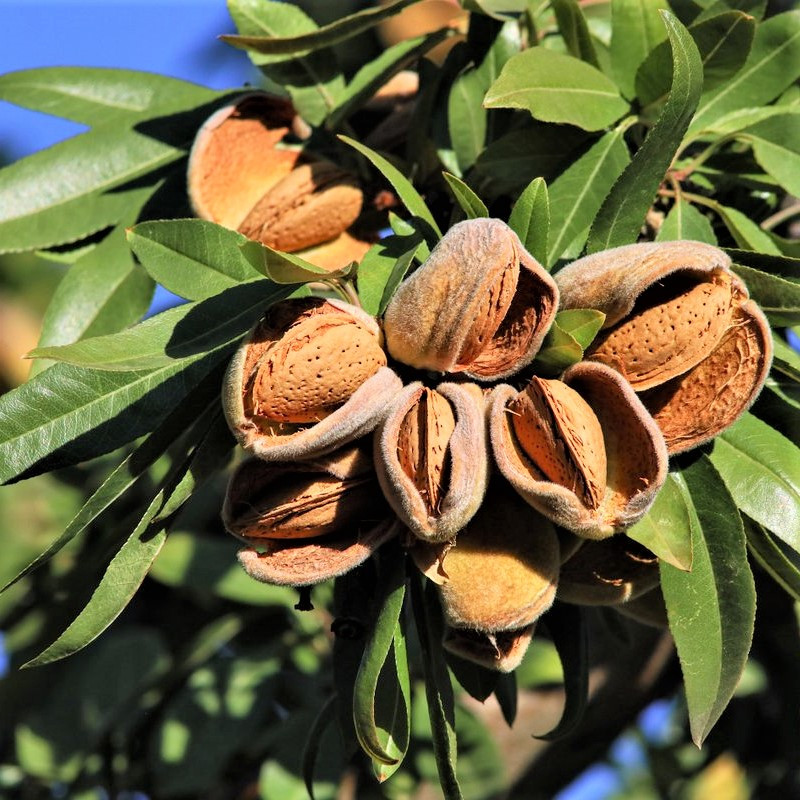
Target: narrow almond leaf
column 468, row 201
column 559, row 350
column 746, row 232
column 338, row 31
column 68, row 191
column 313, row 81
column 778, row 298
column 530, row 219
column 438, row 689
column 567, row 626
column 391, row 591
column 327, row 714
column 666, row 529
column 383, row 267
column 377, row 72
column 505, row 691
column 476, row 680
column 761, row 469
column 685, row 221
column 785, row 360
column 780, row 265
column 406, row 192
column 723, row 42
column 103, row 292
column 68, row 414
column 623, row 211
column 772, row 66
column 120, row 582
column 776, row 146
column 582, row 324
column 501, row 10
column 635, row 31
column 555, row 87
column 769, row 553
column 711, row 609
column 577, row 194
column 129, row 471
column 96, row 95
column 575, row 31
column 284, row 267
column 176, row 335
column 192, row 258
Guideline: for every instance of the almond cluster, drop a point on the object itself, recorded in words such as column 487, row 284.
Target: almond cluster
column 507, row 488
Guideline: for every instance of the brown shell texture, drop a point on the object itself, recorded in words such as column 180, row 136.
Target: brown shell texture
column 234, row 159
column 502, row 651
column 635, row 453
column 310, row 377
column 314, row 203
column 432, row 460
column 306, row 562
column 609, row 572
column 680, row 328
column 501, row 571
column 302, row 500
column 480, row 304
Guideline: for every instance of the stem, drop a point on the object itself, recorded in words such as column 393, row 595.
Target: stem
column 781, row 216
column 682, row 174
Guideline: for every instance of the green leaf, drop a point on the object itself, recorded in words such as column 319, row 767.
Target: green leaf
column 374, row 741
column 192, row 258
column 405, row 191
column 176, row 335
column 377, row 72
column 555, row 87
column 559, row 350
column 438, row 689
column 773, row 65
column 785, row 360
column 327, row 714
column 128, row 472
column 68, row 414
column 497, row 9
column 779, row 298
column 746, row 233
column 624, row 209
column 467, row 120
column 537, row 149
column 636, row 29
column 103, row 292
column 382, row 269
column 761, row 469
column 468, row 201
column 96, row 95
column 666, row 529
column 120, row 582
column 313, row 81
column 577, row 194
column 776, row 146
column 530, row 219
column 711, row 609
column 784, row 266
column 582, row 324
column 573, row 28
column 568, row 630
column 769, row 553
column 742, row 118
column 207, row 565
column 685, row 221
column 338, row 31
column 476, row 680
column 284, row 268
column 723, row 42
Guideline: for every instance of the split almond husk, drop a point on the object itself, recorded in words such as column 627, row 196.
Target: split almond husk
column 680, row 327
column 502, row 651
column 432, row 458
column 501, row 571
column 480, row 304
column 306, row 562
column 587, row 454
column 303, row 500
column 243, row 175
column 608, row 572
column 310, row 377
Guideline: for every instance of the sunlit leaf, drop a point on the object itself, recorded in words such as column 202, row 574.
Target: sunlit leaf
column 583, row 324
column 530, row 219
column 778, row 297
column 573, row 28
column 466, row 198
column 685, row 221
